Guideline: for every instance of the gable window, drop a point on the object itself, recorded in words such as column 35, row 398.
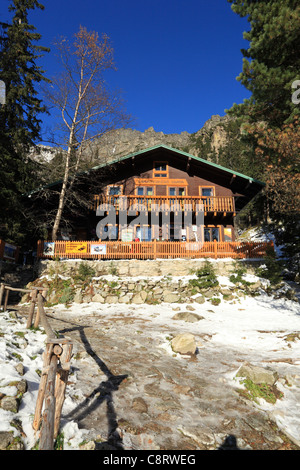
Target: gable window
column 207, row 191
column 160, row 170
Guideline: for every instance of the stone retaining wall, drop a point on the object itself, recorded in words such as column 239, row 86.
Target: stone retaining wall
column 135, row 282
column 163, row 267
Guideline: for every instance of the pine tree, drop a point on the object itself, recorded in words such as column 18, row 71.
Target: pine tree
column 20, row 125
column 271, row 64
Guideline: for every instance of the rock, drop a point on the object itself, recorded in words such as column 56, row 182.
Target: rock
column 90, row 445
column 125, row 299
column 6, row 439
column 139, row 404
column 184, row 344
column 98, row 298
column 188, row 317
column 78, row 298
column 112, row 299
column 170, row 297
column 137, row 299
column 10, row 404
column 22, row 386
column 20, row 368
column 200, row 299
column 257, row 374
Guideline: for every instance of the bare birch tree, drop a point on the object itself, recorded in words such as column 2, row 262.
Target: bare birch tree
column 88, row 109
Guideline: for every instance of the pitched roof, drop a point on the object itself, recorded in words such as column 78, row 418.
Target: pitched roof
column 243, row 184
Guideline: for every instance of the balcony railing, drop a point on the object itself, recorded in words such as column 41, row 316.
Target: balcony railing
column 152, row 203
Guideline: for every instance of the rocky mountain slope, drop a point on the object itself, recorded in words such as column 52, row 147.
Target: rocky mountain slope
column 206, row 143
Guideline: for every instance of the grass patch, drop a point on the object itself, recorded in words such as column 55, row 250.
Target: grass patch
column 254, row 392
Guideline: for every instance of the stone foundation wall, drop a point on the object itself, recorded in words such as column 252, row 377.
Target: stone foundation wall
column 133, row 268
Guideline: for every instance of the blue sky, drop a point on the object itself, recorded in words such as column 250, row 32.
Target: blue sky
column 177, row 60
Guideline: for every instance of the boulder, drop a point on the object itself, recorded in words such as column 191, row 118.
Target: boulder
column 188, row 317
column 258, row 374
column 184, row 344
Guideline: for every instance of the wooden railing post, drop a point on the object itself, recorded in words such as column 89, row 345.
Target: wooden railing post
column 31, row 310
column 2, row 288
column 215, row 249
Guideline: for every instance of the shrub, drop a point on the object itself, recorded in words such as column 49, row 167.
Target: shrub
column 85, row 273
column 206, row 277
column 272, row 269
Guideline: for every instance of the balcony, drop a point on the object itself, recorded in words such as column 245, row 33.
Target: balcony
column 213, row 204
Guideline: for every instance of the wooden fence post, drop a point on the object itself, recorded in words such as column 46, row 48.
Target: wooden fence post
column 1, row 293
column 47, row 430
column 32, row 307
column 42, row 387
column 61, row 383
column 5, row 299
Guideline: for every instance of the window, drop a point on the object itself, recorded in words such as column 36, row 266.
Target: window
column 160, row 170
column 177, row 191
column 114, row 190
column 227, row 235
column 211, row 234
column 207, row 191
column 144, row 191
column 143, row 233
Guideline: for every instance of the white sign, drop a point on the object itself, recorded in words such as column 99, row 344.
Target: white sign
column 98, row 249
column 49, row 248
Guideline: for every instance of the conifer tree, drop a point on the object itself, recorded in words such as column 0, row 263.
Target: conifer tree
column 271, row 63
column 20, row 125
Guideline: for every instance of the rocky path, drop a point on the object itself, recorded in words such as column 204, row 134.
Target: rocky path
column 138, row 396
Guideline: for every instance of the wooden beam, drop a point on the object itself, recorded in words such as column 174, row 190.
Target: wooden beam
column 188, row 164
column 232, row 179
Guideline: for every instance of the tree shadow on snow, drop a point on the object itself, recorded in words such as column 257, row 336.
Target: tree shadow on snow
column 103, row 393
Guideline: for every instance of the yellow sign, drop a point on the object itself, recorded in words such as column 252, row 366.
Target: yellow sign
column 76, row 247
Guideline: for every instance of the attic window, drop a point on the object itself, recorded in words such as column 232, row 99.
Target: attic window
column 160, row 170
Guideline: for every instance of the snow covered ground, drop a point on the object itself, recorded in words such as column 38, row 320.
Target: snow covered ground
column 258, row 326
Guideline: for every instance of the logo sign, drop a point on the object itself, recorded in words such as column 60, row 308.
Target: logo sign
column 76, row 247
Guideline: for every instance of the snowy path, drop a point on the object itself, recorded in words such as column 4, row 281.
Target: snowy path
column 130, row 390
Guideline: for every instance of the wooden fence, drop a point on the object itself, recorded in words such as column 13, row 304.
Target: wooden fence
column 56, row 367
column 150, row 250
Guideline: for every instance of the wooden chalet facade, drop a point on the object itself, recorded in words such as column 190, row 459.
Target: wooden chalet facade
column 161, row 202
